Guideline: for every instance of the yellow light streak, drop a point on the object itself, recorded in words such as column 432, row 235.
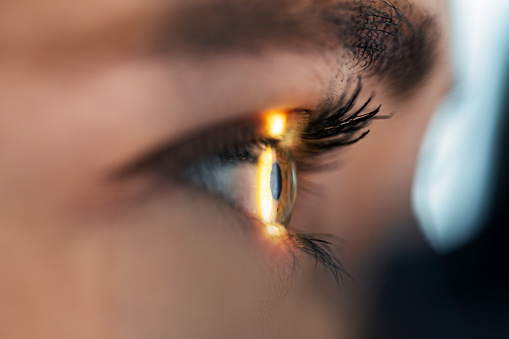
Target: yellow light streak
column 265, row 202
column 266, row 205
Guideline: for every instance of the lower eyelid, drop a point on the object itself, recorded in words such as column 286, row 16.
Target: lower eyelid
column 283, row 252
column 216, row 215
column 207, row 228
column 279, row 253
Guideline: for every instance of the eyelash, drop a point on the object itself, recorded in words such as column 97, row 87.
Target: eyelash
column 338, row 126
column 334, row 128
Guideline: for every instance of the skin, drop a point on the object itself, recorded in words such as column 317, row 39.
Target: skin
column 82, row 256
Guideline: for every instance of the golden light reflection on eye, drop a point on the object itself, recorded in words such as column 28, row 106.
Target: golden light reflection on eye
column 276, row 179
column 275, row 123
column 267, row 210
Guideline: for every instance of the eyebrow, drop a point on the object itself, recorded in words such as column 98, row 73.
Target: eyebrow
column 391, row 40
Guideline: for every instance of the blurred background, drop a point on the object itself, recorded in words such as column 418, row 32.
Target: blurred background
column 457, row 285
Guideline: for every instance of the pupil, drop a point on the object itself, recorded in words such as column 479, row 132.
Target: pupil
column 276, row 180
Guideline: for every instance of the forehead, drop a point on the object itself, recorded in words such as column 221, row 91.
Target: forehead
column 29, row 16
column 393, row 38
column 58, row 25
column 31, row 23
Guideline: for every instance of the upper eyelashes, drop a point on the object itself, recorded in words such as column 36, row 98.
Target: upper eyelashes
column 339, row 126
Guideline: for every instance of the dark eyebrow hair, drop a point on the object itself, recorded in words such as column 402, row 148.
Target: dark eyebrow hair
column 392, row 40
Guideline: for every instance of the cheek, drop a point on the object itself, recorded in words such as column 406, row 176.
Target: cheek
column 187, row 267
column 181, row 267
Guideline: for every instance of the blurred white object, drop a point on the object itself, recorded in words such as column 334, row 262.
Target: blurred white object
column 451, row 190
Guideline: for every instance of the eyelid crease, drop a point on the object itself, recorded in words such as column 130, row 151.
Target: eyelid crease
column 167, row 160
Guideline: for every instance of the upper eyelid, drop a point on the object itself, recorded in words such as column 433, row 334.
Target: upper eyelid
column 174, row 157
column 167, row 161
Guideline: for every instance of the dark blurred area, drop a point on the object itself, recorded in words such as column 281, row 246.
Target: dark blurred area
column 463, row 294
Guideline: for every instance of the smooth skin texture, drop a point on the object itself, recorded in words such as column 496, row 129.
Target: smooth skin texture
column 83, row 256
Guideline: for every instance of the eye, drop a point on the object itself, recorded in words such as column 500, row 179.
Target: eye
column 258, row 178
column 253, row 164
